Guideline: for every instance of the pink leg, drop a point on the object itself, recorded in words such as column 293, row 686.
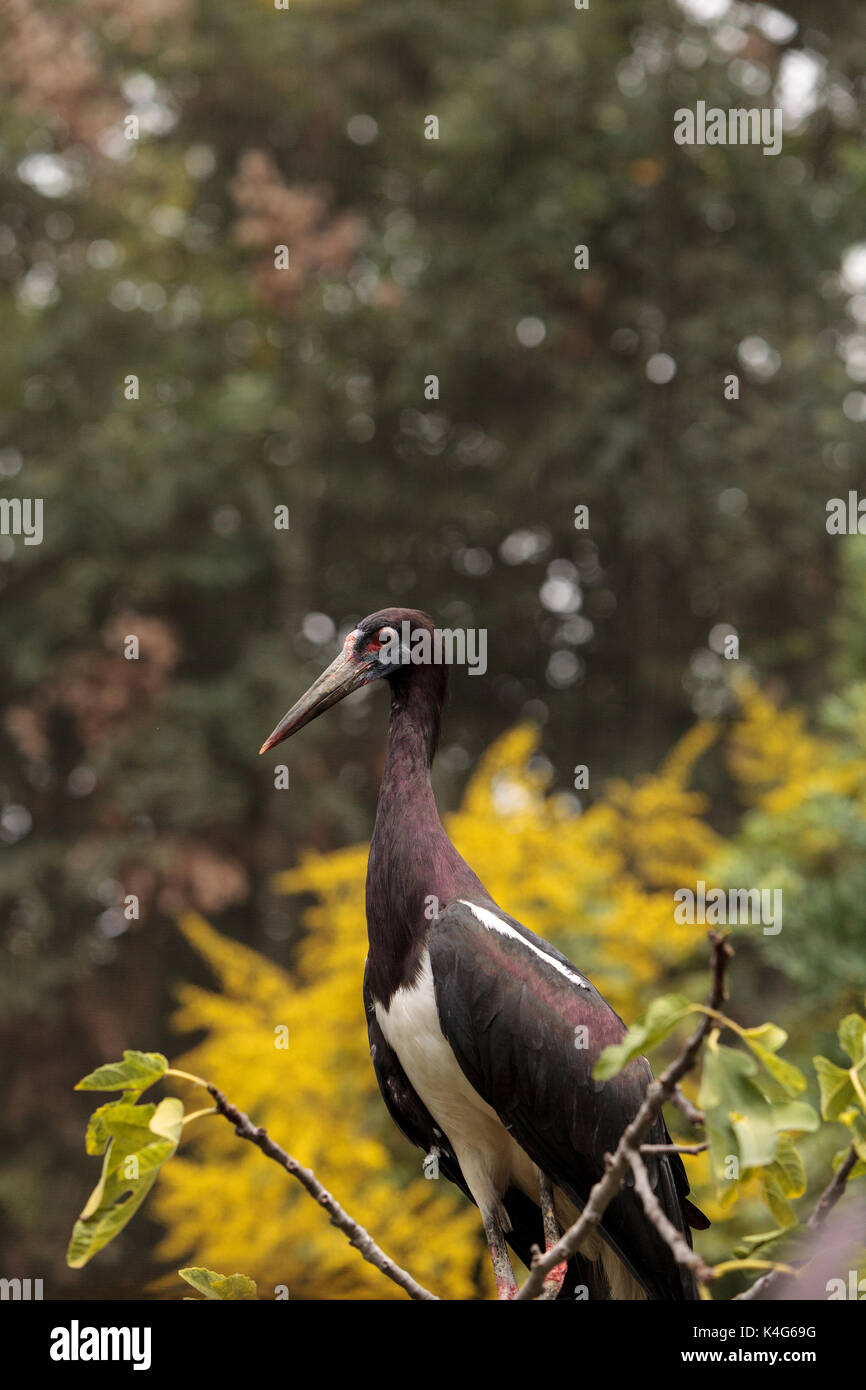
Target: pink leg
column 553, row 1281
column 506, row 1285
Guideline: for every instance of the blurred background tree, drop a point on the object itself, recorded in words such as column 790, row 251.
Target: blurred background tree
column 154, row 258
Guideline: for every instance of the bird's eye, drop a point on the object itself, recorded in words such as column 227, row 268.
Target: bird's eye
column 383, row 636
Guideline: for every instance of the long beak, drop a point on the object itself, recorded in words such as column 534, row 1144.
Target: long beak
column 344, row 675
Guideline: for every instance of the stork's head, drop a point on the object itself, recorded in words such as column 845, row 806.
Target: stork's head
column 377, row 648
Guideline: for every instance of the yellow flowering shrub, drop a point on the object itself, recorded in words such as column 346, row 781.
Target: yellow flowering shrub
column 778, row 765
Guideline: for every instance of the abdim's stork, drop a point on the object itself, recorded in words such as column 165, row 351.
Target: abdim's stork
column 475, row 1022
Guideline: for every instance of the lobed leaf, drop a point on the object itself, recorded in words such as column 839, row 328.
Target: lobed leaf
column 774, row 1196
column 788, row 1167
column 660, row 1019
column 137, row 1071
column 98, row 1132
column 149, row 1134
column 852, row 1037
column 837, row 1092
column 220, row 1286
column 765, row 1042
column 740, row 1119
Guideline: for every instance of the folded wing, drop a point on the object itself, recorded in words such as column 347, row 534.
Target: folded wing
column 527, row 1029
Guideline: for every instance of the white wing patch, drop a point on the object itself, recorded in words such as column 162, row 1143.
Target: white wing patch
column 493, row 923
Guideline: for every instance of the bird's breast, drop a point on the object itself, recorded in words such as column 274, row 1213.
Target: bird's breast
column 488, row 1155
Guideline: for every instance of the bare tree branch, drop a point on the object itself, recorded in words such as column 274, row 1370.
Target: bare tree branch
column 658, row 1092
column 682, row 1251
column 355, row 1234
column 674, row 1148
column 683, row 1104
column 833, row 1191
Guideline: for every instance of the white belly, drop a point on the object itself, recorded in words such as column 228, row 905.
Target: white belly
column 491, row 1160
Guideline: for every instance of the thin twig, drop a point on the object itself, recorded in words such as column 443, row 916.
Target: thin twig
column 616, row 1165
column 674, row 1148
column 833, row 1191
column 824, row 1205
column 682, row 1251
column 692, row 1113
column 355, row 1234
